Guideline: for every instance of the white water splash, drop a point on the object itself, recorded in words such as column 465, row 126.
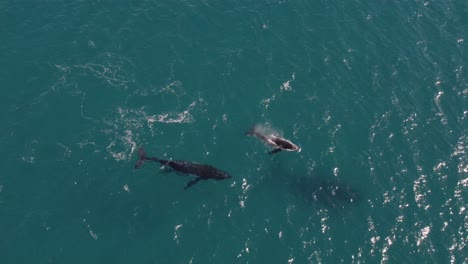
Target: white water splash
column 125, row 129
column 286, row 86
column 409, row 124
column 243, row 197
column 460, row 152
column 168, row 118
column 28, row 159
column 336, row 171
column 420, row 189
column 174, row 117
column 176, row 233
column 266, row 102
column 423, row 233
column 129, row 147
column 375, row 238
column 439, row 106
column 323, row 221
column 90, row 231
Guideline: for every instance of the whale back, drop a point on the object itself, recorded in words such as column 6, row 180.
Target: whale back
column 283, row 143
column 202, row 170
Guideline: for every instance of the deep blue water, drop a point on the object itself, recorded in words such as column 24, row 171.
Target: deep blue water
column 374, row 93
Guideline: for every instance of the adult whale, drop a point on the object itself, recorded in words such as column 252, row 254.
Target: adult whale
column 273, row 140
column 203, row 172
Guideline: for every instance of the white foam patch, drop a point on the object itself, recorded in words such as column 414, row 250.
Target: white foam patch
column 173, row 87
column 127, row 142
column 440, row 166
column 176, row 233
column 409, row 124
column 30, row 155
column 336, row 171
column 323, row 223
column 376, row 238
column 112, row 74
column 266, row 102
column 420, row 189
column 286, row 86
column 112, row 68
column 82, row 111
column 439, row 106
column 460, row 153
column 346, row 62
column 423, row 233
column 125, row 129
column 182, row 117
column 90, row 231
column 245, row 188
column 28, row 159
column 66, row 150
column 174, row 117
column 91, row 44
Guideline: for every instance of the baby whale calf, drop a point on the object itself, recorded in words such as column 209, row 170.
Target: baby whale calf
column 273, row 140
column 203, row 172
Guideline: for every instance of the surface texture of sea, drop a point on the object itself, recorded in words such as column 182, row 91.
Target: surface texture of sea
column 374, row 92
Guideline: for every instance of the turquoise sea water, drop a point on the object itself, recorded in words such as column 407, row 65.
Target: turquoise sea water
column 374, row 92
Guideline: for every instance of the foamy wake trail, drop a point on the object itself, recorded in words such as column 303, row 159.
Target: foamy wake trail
column 130, row 124
column 113, row 69
column 174, row 117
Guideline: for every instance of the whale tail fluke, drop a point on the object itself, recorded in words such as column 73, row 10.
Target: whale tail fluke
column 141, row 158
column 276, row 150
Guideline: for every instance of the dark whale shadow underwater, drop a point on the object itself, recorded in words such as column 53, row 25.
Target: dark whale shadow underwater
column 331, row 193
column 319, row 187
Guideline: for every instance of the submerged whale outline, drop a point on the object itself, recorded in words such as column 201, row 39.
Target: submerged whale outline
column 202, row 171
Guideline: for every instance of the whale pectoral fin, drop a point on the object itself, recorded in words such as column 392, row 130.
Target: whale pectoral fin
column 192, row 182
column 274, row 151
column 138, row 163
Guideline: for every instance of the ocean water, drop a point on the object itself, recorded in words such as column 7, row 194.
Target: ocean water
column 374, row 92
